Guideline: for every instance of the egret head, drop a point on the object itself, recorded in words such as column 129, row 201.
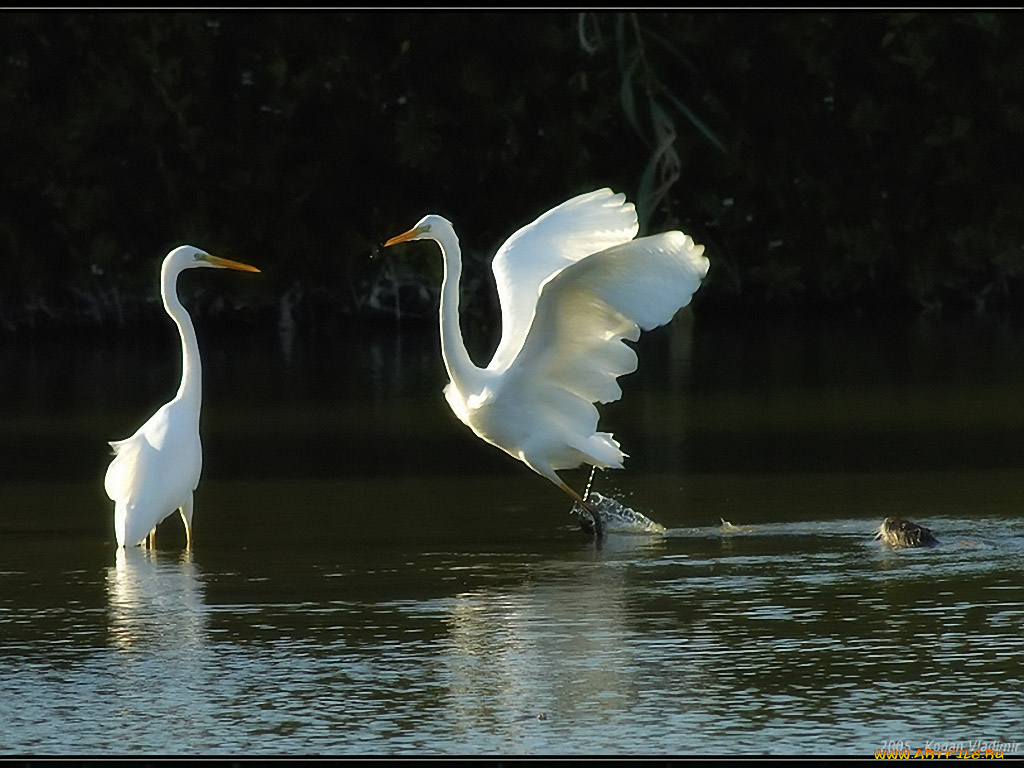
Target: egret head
column 430, row 227
column 188, row 257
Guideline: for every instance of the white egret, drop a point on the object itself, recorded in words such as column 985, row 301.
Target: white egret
column 572, row 286
column 155, row 471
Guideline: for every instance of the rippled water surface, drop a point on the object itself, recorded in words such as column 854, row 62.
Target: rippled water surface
column 369, row 578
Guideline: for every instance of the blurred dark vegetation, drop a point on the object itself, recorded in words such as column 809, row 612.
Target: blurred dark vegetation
column 826, row 159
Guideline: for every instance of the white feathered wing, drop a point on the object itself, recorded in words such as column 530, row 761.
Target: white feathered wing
column 574, row 350
column 579, row 227
column 154, row 472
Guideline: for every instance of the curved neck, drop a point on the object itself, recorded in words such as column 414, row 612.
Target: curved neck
column 453, row 349
column 191, row 368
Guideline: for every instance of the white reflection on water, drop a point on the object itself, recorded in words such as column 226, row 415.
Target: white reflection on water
column 538, row 650
column 154, row 685
column 155, row 603
column 796, row 634
column 786, row 638
column 743, row 642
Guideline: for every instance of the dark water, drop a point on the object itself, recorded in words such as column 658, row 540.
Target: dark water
column 369, row 578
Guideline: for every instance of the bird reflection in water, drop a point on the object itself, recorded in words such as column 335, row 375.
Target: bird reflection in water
column 155, row 601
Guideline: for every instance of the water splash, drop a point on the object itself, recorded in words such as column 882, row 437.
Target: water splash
column 728, row 527
column 615, row 517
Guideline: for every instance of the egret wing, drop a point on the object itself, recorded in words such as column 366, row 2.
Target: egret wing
column 162, row 456
column 577, row 228
column 133, row 455
column 575, row 349
column 118, row 480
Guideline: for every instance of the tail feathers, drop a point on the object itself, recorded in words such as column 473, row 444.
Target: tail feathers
column 601, row 450
column 118, row 480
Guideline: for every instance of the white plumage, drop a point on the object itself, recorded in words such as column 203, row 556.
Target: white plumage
column 155, row 471
column 572, row 285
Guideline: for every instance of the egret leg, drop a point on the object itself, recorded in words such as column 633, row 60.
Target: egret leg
column 150, row 539
column 186, row 515
column 551, row 475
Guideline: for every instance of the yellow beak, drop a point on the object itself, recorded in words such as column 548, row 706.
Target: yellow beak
column 229, row 264
column 412, row 234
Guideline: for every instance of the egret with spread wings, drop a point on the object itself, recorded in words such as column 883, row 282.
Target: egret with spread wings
column 573, row 285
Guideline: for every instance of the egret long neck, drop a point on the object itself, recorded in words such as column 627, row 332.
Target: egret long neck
column 461, row 368
column 191, row 367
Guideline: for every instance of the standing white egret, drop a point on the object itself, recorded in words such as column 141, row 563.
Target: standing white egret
column 155, row 471
column 572, row 286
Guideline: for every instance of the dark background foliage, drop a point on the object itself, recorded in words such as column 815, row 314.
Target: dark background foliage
column 826, row 159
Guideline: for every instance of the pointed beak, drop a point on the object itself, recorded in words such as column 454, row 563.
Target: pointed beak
column 405, row 237
column 216, row 261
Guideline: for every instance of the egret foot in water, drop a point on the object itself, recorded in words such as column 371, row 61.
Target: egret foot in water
column 590, row 518
column 591, row 521
column 900, row 533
